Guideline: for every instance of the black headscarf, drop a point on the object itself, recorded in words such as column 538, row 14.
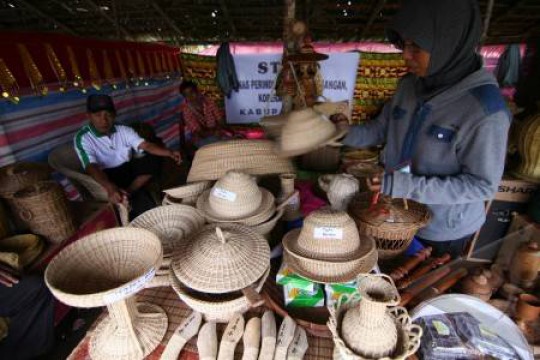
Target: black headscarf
column 449, row 30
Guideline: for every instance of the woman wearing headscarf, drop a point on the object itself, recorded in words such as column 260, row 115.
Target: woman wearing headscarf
column 446, row 127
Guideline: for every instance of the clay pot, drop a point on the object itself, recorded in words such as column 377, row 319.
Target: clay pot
column 528, row 307
column 525, row 265
column 478, row 286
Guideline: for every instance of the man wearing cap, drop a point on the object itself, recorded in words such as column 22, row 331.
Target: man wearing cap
column 105, row 151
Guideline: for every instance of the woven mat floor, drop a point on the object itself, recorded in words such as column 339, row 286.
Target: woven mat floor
column 177, row 311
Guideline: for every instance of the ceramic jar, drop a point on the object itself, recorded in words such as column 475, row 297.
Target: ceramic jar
column 478, row 286
column 368, row 329
column 525, row 265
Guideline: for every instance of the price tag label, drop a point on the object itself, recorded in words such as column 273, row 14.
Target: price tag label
column 129, row 289
column 224, row 194
column 326, row 233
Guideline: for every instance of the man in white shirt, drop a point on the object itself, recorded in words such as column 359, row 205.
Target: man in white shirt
column 105, row 151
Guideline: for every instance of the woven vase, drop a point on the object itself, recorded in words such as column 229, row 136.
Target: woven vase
column 368, row 328
column 529, row 149
column 292, row 210
column 45, row 210
column 341, row 190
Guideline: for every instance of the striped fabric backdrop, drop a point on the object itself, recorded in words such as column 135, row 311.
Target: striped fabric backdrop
column 31, row 129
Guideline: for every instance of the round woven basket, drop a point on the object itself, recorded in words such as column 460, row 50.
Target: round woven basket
column 393, row 231
column 186, row 194
column 266, row 227
column 255, row 157
column 20, row 250
column 218, row 308
column 45, row 209
column 108, row 268
column 173, row 225
column 17, row 176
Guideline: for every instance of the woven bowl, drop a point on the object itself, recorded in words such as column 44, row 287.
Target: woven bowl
column 172, row 224
column 266, row 228
column 222, row 259
column 188, row 191
column 210, row 306
column 255, row 157
column 24, row 249
column 409, row 334
column 104, row 267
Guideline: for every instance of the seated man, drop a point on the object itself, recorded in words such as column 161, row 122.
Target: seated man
column 29, row 307
column 105, row 151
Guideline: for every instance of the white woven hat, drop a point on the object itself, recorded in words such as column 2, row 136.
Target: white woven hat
column 305, row 131
column 222, row 259
column 237, row 198
column 328, row 248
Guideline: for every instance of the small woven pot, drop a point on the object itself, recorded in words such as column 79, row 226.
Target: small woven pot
column 392, row 226
column 45, row 209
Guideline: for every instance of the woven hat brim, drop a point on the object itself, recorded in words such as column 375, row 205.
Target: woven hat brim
column 188, row 190
column 321, row 271
column 263, row 212
column 290, row 243
column 336, row 136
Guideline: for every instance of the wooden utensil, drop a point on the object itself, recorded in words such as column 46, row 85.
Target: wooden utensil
column 252, row 339
column 440, row 287
column 253, row 297
column 299, row 345
column 417, row 288
column 410, row 264
column 420, row 272
column 232, row 335
column 268, row 334
column 207, row 344
column 185, row 331
column 284, row 338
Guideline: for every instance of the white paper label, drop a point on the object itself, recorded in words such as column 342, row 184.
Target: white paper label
column 129, row 289
column 295, row 200
column 328, row 233
column 224, row 194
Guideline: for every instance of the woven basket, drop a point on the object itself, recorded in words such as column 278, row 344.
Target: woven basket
column 173, row 225
column 392, row 238
column 186, row 194
column 218, row 308
column 20, row 250
column 359, row 156
column 17, row 176
column 255, row 157
column 45, row 209
column 266, row 228
column 108, row 268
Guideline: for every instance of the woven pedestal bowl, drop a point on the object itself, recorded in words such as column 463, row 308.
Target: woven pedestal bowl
column 389, row 223
column 106, row 269
column 255, row 157
column 215, row 307
column 172, row 224
column 20, row 250
column 409, row 335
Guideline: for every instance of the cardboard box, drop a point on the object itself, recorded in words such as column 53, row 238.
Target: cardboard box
column 295, row 297
column 515, row 190
column 286, row 277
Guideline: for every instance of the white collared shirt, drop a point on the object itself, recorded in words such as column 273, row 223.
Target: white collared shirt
column 106, row 151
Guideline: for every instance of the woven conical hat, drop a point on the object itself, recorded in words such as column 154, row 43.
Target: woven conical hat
column 222, row 259
column 306, row 130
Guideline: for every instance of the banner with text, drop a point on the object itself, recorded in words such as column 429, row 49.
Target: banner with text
column 257, row 74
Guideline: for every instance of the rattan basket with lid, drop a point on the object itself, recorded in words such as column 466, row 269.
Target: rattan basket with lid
column 222, row 258
column 389, row 222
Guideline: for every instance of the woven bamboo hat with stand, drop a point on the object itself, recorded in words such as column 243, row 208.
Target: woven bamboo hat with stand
column 237, row 198
column 305, row 131
column 225, row 261
column 328, row 248
column 392, row 222
column 106, row 269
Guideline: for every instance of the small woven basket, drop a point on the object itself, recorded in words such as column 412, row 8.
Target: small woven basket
column 392, row 237
column 17, row 176
column 45, row 209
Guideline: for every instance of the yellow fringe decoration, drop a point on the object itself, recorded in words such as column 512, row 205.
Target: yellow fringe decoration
column 123, row 74
column 32, row 71
column 149, row 62
column 131, row 65
column 140, row 63
column 77, row 78
column 57, row 67
column 157, row 61
column 8, row 83
column 95, row 77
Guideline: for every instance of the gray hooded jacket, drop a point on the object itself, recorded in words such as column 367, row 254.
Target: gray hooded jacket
column 456, row 155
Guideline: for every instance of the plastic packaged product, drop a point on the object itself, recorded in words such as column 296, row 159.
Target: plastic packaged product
column 440, row 341
column 295, row 297
column 335, row 291
column 285, row 276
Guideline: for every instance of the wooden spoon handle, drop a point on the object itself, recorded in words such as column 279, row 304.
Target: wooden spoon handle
column 253, row 297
